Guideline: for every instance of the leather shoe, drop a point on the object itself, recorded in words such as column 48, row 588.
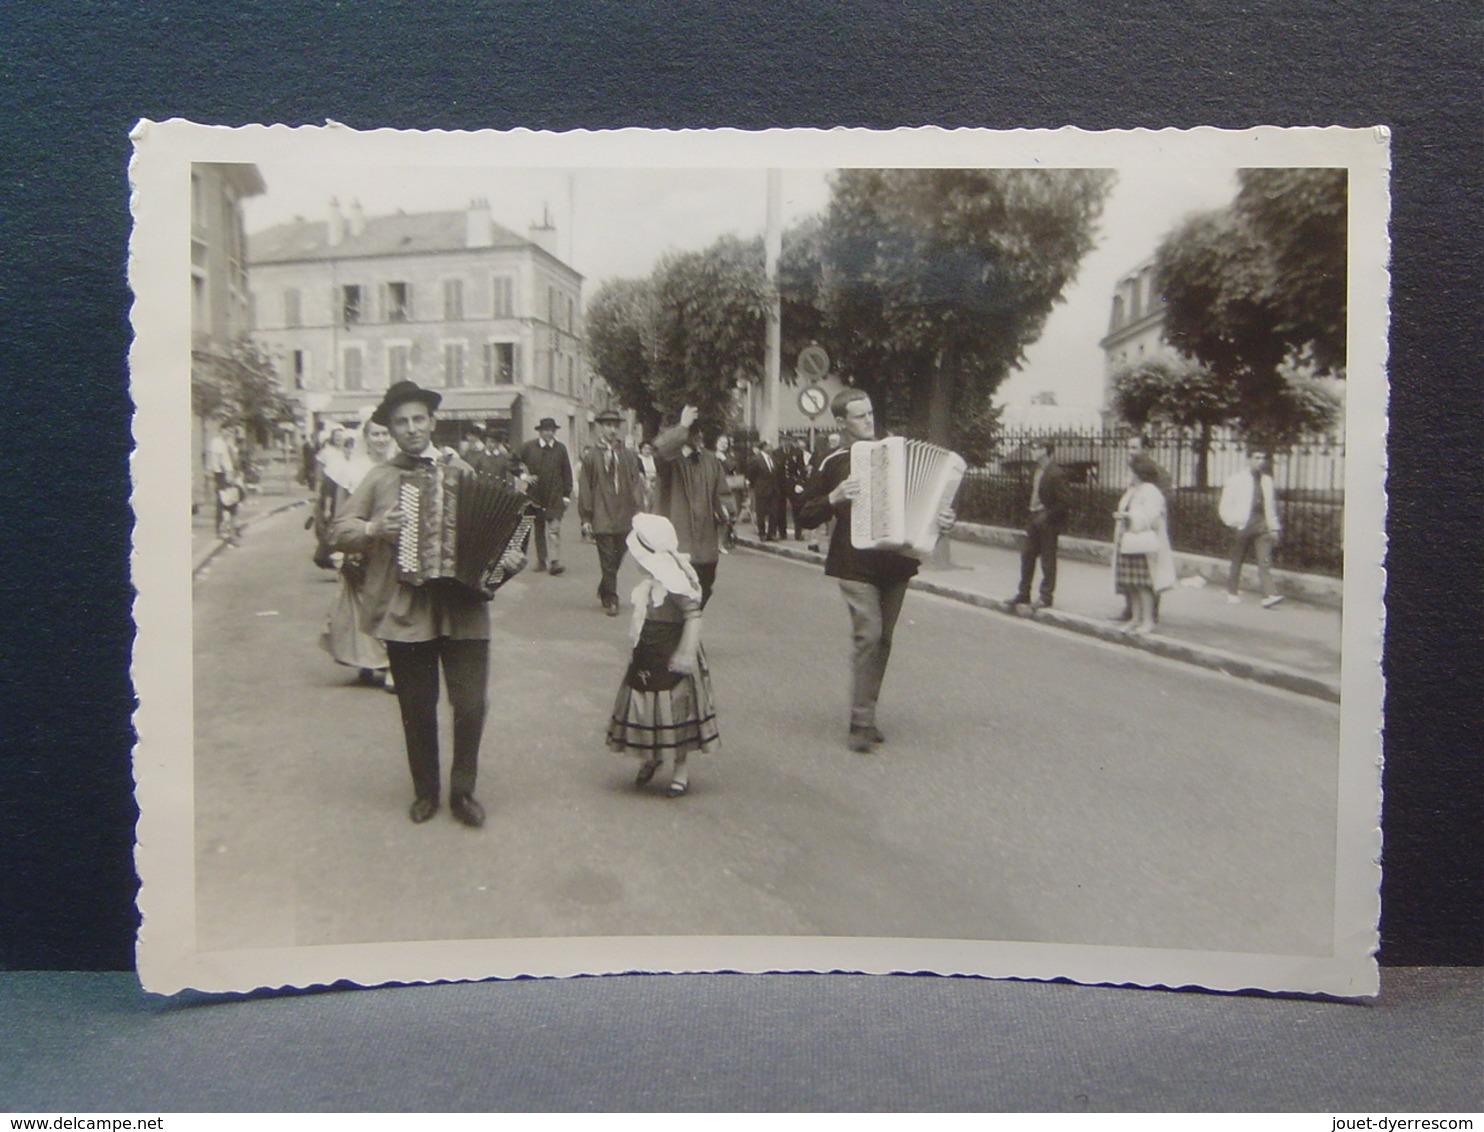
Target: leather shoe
column 556, row 568
column 467, row 810
column 422, row 810
column 861, row 740
column 610, row 608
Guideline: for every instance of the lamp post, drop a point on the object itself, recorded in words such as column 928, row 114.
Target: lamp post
column 772, row 361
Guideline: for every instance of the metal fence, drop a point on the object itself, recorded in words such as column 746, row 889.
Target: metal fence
column 1309, row 479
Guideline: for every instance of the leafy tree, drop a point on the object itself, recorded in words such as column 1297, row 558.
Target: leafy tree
column 240, row 388
column 1301, row 217
column 935, row 281
column 621, row 325
column 1182, row 393
column 711, row 311
column 1179, row 392
column 1259, row 287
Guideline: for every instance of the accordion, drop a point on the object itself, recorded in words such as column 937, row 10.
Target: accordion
column 904, row 485
column 460, row 525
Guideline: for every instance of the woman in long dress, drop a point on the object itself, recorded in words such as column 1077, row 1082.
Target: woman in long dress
column 664, row 709
column 1144, row 563
column 345, row 637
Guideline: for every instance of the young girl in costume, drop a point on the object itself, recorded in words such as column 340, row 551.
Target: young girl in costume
column 664, row 707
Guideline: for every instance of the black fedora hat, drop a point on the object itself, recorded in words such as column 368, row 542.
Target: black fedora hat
column 400, row 394
column 547, row 422
column 609, row 416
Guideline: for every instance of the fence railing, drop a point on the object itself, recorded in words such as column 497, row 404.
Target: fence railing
column 1309, row 479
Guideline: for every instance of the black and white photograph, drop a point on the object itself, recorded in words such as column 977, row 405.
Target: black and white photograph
column 921, row 550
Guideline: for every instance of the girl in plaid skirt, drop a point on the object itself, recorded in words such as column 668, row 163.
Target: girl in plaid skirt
column 664, row 708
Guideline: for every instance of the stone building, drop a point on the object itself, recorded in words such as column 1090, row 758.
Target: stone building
column 1136, row 326
column 350, row 304
column 220, row 311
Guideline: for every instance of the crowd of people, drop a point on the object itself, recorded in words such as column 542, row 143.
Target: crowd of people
column 671, row 504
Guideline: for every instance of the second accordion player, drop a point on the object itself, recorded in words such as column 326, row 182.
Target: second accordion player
column 462, row 526
column 904, row 485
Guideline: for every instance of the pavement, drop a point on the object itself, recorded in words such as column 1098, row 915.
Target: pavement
column 1295, row 645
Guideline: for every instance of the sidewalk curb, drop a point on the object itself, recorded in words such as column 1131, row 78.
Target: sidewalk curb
column 1315, row 589
column 218, row 545
column 1201, row 656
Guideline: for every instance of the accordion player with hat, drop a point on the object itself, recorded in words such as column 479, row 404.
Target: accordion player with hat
column 462, row 526
column 904, row 484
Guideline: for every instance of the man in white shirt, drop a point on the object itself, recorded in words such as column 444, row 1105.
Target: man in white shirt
column 1249, row 506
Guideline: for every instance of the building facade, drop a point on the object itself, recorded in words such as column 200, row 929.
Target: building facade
column 349, row 305
column 220, row 299
column 1135, row 327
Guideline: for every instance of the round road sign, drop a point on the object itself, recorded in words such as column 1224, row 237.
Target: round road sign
column 813, row 363
column 813, row 401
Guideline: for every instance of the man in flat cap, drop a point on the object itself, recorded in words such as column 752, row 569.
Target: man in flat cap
column 546, row 460
column 436, row 623
column 610, row 493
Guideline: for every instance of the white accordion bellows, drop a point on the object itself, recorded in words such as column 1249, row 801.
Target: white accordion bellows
column 904, row 485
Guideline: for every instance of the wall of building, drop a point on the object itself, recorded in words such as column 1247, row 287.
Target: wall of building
column 468, row 319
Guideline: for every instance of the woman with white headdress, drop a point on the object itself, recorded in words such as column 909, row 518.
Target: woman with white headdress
column 345, row 636
column 664, row 708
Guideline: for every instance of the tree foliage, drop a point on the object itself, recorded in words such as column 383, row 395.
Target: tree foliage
column 621, row 325
column 1183, row 393
column 1258, row 288
column 240, row 388
column 936, row 280
column 711, row 310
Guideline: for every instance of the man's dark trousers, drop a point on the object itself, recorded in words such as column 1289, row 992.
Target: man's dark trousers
column 1040, row 542
column 414, row 666
column 611, row 550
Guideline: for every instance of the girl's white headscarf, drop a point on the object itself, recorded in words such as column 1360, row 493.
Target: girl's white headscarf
column 655, row 547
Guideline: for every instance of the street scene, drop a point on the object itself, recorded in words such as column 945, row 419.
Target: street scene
column 1035, row 784
column 882, row 553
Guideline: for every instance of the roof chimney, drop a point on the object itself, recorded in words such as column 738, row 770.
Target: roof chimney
column 357, row 218
column 480, row 230
column 336, row 233
column 543, row 235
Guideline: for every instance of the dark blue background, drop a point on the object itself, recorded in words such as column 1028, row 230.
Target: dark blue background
column 74, row 77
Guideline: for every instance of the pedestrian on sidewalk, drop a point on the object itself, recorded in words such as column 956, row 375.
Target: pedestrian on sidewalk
column 873, row 582
column 765, row 476
column 1144, row 563
column 437, row 623
column 1138, row 446
column 1046, row 516
column 664, row 705
column 345, row 636
column 691, row 491
column 610, row 492
column 550, row 468
column 795, row 478
column 226, row 479
column 1249, row 506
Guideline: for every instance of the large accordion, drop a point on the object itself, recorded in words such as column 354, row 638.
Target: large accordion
column 460, row 525
column 904, row 484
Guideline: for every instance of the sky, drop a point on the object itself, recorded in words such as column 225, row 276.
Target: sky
column 618, row 223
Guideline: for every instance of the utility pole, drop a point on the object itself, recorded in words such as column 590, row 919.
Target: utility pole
column 772, row 363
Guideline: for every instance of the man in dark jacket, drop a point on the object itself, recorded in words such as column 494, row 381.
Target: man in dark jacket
column 611, row 488
column 424, row 626
column 765, row 476
column 546, row 459
column 873, row 582
column 691, row 491
column 795, row 478
column 1047, row 509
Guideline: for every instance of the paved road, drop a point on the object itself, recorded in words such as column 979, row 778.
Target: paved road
column 1035, row 786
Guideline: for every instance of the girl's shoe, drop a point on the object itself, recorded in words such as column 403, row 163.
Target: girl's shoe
column 646, row 772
